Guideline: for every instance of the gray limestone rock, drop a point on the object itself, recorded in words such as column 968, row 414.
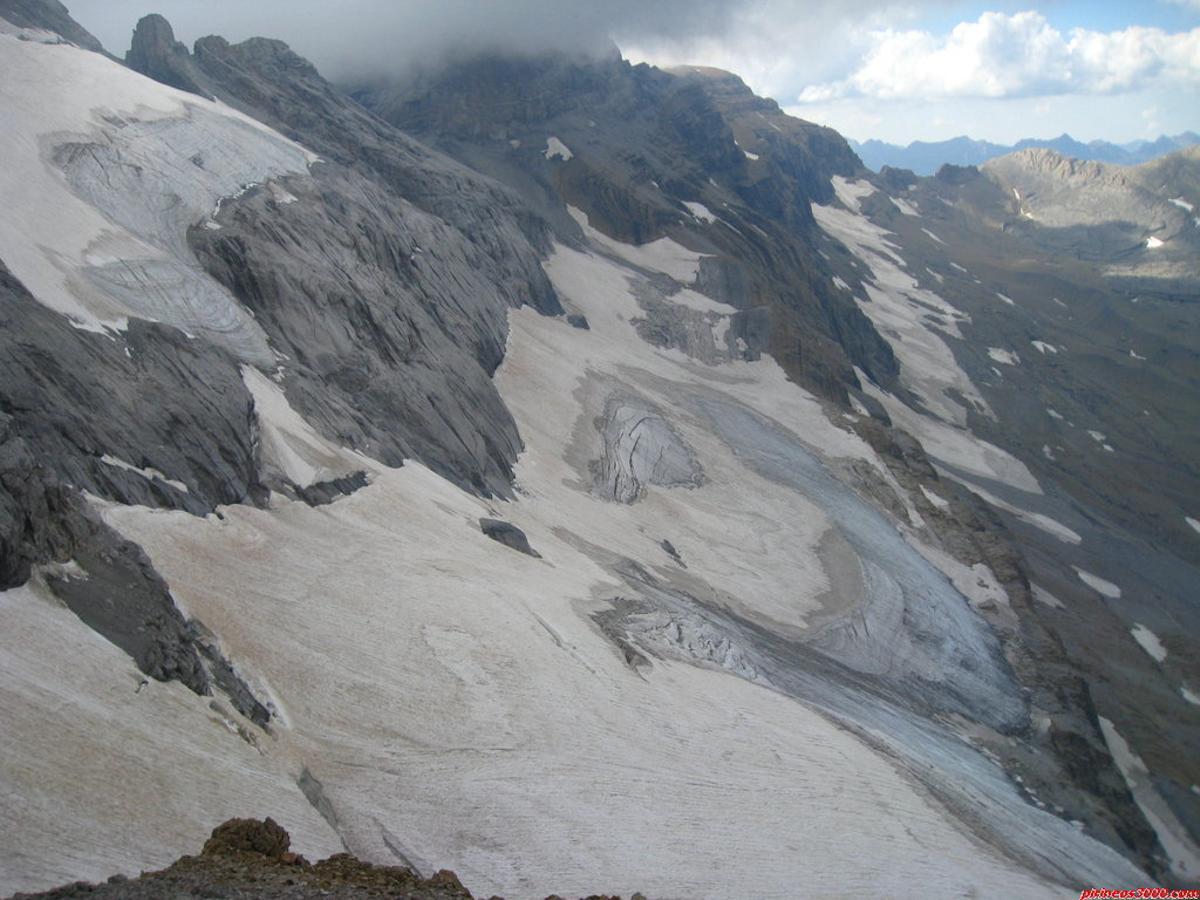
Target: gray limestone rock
column 156, row 53
column 509, row 535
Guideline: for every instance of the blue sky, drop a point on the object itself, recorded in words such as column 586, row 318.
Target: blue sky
column 996, row 71
column 898, row 70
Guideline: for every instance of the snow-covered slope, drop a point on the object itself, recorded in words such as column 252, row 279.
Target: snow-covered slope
column 605, row 715
column 759, row 648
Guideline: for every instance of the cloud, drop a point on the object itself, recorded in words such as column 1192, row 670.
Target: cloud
column 1018, row 55
column 757, row 38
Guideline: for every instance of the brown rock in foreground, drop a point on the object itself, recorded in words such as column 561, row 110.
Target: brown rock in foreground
column 246, row 858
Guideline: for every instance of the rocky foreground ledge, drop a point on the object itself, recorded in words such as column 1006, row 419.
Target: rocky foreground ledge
column 247, row 858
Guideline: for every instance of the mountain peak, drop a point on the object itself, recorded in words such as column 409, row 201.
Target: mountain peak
column 155, row 53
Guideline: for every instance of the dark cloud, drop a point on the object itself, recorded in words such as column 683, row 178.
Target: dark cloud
column 357, row 37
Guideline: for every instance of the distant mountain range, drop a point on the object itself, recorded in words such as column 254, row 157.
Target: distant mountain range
column 925, row 158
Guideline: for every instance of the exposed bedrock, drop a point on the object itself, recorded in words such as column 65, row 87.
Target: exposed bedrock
column 639, row 448
column 146, row 417
column 509, row 535
column 48, row 15
column 270, row 82
column 385, row 319
column 644, row 144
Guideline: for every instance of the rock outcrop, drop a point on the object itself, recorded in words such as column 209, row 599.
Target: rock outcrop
column 702, row 138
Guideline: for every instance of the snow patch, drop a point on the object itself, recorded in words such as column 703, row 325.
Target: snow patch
column 933, row 236
column 700, row 211
column 556, row 149
column 1043, row 347
column 291, row 448
column 1098, row 584
column 901, row 311
column 663, row 255
column 905, row 206
column 1153, row 243
column 1182, row 852
column 937, row 501
column 149, row 473
column 1183, row 204
column 1149, row 642
column 1007, row 357
column 1041, row 595
column 850, row 193
column 1194, row 524
column 750, row 156
column 1037, row 520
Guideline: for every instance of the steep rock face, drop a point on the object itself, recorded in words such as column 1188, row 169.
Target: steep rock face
column 265, row 79
column 646, row 154
column 155, row 53
column 403, row 324
column 386, row 321
column 48, row 15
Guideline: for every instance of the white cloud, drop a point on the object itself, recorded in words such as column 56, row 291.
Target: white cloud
column 1018, row 55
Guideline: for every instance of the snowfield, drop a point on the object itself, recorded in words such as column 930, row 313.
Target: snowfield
column 491, row 725
column 464, row 705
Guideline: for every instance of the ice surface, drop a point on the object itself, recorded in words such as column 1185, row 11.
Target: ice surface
column 104, row 171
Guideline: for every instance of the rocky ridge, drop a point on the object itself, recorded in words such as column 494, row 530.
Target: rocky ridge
column 249, row 858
